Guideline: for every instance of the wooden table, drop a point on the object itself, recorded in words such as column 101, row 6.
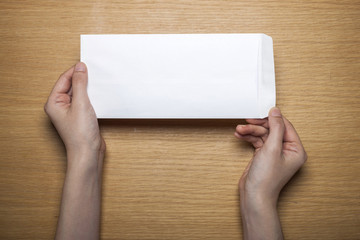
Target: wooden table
column 178, row 179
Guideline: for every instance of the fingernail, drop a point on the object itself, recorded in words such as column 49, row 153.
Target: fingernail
column 275, row 112
column 237, row 135
column 80, row 67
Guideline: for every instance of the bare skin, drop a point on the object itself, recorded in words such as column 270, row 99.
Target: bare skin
column 278, row 155
column 70, row 111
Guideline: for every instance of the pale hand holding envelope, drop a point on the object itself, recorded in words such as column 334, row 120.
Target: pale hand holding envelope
column 180, row 75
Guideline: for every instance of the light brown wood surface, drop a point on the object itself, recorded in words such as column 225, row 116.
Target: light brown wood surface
column 178, row 179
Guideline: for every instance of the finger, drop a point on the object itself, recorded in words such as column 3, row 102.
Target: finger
column 70, row 91
column 261, row 122
column 250, row 129
column 276, row 130
column 290, row 134
column 79, row 82
column 257, row 142
column 63, row 84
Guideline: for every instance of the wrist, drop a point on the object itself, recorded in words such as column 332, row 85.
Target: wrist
column 255, row 204
column 93, row 147
column 259, row 217
column 85, row 159
column 259, row 194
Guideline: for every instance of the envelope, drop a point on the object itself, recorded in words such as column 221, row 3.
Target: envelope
column 201, row 76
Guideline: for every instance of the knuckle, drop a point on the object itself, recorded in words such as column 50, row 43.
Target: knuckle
column 102, row 145
column 46, row 108
column 304, row 157
column 78, row 79
column 258, row 143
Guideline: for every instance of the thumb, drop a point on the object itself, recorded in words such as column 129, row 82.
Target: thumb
column 79, row 82
column 276, row 131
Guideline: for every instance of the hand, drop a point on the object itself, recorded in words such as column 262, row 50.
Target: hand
column 279, row 153
column 72, row 114
column 70, row 110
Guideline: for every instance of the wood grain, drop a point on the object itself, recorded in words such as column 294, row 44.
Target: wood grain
column 178, row 179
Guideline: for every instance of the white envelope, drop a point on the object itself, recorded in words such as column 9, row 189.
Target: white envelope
column 180, row 75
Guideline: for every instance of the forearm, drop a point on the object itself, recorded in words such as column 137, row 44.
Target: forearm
column 80, row 206
column 260, row 219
